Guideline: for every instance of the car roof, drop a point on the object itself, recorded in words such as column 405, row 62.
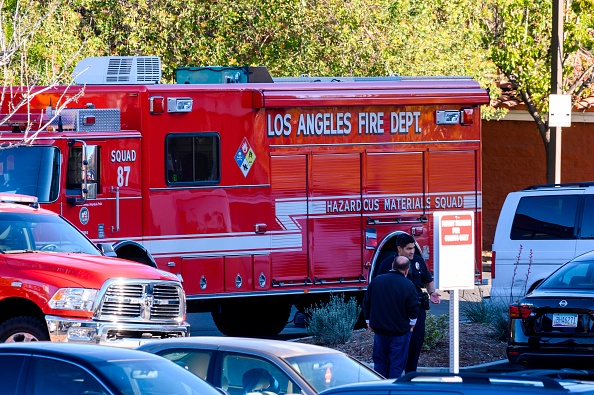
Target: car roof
column 468, row 384
column 80, row 353
column 560, row 187
column 586, row 256
column 279, row 348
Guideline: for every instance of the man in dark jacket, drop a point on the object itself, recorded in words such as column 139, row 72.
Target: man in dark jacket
column 422, row 278
column 391, row 307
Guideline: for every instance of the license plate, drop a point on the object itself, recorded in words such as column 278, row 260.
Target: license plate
column 565, row 320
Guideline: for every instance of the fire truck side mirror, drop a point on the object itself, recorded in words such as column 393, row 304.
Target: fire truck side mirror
column 76, row 200
column 107, row 249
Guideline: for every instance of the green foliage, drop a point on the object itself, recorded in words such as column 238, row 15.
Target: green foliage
column 480, row 312
column 518, row 37
column 436, row 328
column 293, row 37
column 488, row 311
column 500, row 321
column 437, row 38
column 45, row 41
column 332, row 323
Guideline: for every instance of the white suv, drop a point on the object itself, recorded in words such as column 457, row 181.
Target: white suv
column 540, row 228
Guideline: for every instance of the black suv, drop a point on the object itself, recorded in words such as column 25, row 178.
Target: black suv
column 465, row 384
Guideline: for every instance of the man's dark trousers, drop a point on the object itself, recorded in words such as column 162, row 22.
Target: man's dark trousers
column 416, row 342
column 390, row 353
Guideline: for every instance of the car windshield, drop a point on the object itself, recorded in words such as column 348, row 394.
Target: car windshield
column 154, row 377
column 324, row 371
column 576, row 274
column 23, row 232
column 30, row 170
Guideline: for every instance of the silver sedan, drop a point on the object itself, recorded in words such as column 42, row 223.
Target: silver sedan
column 243, row 365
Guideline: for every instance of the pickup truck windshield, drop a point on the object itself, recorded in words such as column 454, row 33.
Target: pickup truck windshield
column 22, row 232
column 30, row 170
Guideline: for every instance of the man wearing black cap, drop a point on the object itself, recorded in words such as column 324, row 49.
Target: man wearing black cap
column 391, row 307
column 421, row 277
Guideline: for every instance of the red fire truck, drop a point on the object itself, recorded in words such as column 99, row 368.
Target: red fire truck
column 259, row 193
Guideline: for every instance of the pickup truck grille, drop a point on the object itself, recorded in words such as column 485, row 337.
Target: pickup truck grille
column 142, row 301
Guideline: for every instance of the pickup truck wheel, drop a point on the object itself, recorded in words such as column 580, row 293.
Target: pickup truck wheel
column 253, row 318
column 269, row 319
column 23, row 329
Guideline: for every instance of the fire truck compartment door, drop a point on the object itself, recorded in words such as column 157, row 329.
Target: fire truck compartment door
column 239, row 274
column 397, row 180
column 203, row 275
column 335, row 218
column 288, row 181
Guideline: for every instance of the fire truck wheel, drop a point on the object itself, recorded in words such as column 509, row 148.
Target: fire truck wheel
column 253, row 318
column 23, row 329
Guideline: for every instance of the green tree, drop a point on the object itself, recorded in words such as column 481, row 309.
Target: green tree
column 441, row 38
column 517, row 34
column 293, row 37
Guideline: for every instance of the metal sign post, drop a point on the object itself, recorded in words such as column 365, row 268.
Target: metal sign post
column 454, row 332
column 454, row 266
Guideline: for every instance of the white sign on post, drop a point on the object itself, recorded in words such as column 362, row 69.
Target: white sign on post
column 454, row 250
column 560, row 111
column 454, row 257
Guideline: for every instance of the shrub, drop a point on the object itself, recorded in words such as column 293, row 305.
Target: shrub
column 489, row 311
column 500, row 320
column 479, row 310
column 332, row 323
column 436, row 328
column 492, row 312
column 495, row 311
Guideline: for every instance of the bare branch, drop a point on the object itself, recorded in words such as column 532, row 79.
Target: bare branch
column 24, row 24
column 585, row 76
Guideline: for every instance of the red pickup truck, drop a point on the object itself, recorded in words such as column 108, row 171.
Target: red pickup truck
column 55, row 284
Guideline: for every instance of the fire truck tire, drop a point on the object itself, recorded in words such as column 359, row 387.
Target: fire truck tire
column 253, row 319
column 23, row 329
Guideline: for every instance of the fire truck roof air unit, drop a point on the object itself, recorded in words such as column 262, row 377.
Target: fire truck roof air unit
column 122, row 70
column 118, row 70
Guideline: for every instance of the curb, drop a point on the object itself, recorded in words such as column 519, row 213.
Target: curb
column 464, row 368
column 429, row 369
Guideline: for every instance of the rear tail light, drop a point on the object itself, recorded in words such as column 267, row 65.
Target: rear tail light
column 493, row 254
column 520, row 311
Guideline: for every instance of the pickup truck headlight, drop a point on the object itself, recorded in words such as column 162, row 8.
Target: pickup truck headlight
column 81, row 299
